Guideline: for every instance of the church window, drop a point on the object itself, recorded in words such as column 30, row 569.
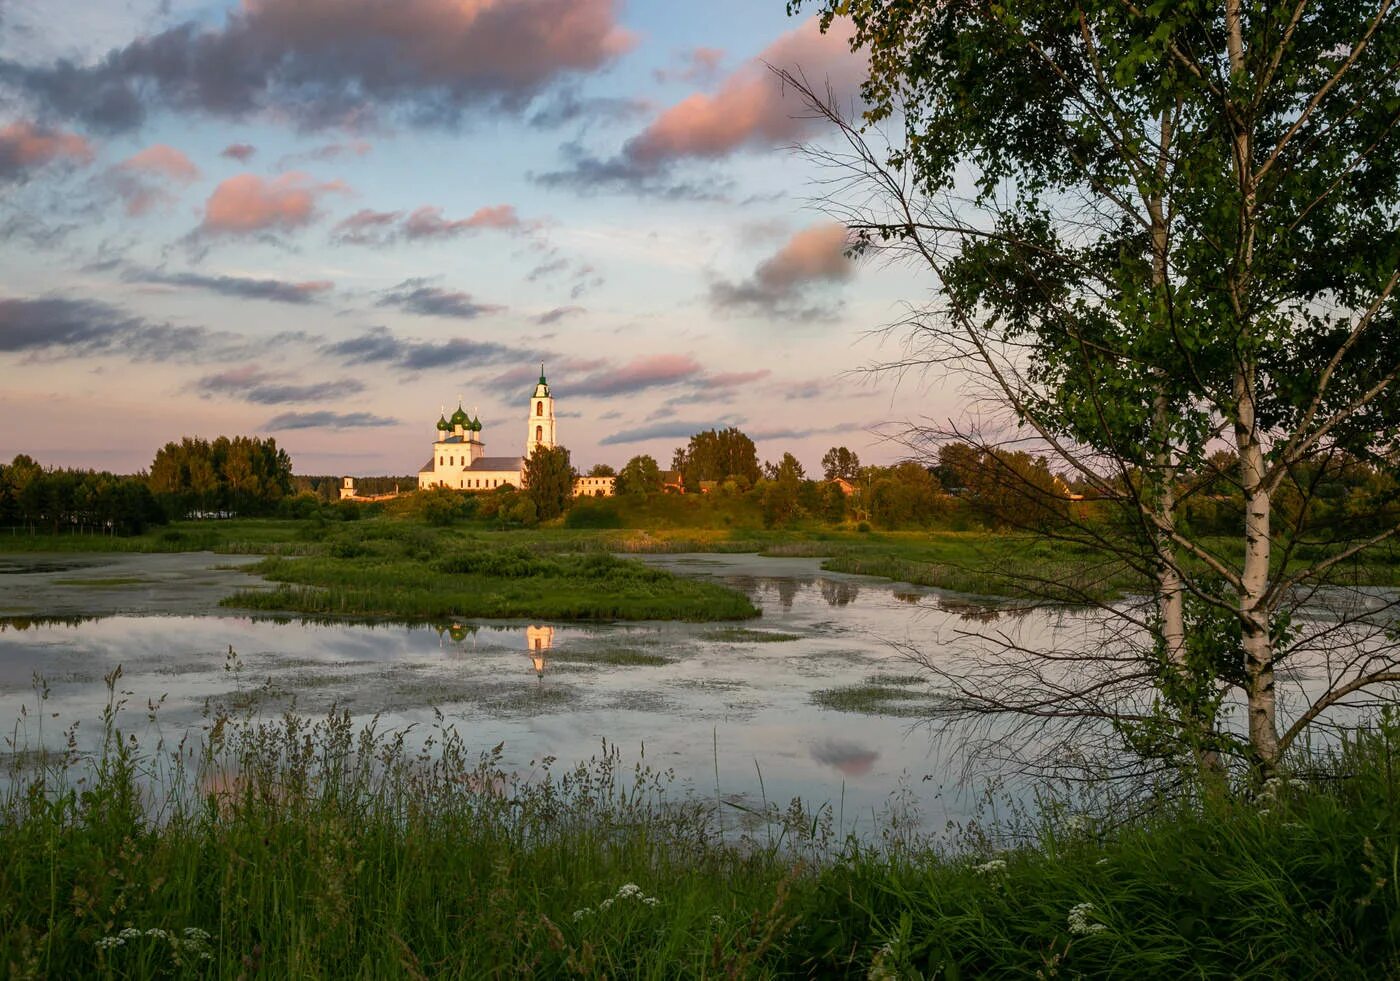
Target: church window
column 539, row 408
column 539, row 434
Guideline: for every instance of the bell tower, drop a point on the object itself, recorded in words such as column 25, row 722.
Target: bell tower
column 540, row 425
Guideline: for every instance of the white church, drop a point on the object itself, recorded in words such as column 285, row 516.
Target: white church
column 459, row 457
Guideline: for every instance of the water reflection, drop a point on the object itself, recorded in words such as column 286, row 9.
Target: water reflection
column 845, row 757
column 35, row 623
column 699, row 697
column 455, row 632
column 537, row 641
column 839, row 592
column 980, row 612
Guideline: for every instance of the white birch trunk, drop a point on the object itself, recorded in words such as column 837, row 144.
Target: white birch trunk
column 1256, row 640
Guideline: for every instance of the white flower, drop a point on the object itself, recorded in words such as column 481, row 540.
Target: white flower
column 1102, row 861
column 1081, row 922
column 650, row 900
column 130, row 933
column 108, row 943
column 1079, row 824
column 717, row 920
column 987, row 868
column 605, row 904
column 581, row 913
column 630, row 891
column 195, row 933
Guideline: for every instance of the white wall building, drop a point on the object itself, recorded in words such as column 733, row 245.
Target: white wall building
column 459, row 457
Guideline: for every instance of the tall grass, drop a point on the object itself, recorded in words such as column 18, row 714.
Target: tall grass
column 291, row 848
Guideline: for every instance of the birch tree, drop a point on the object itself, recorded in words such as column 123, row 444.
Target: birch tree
column 1155, row 231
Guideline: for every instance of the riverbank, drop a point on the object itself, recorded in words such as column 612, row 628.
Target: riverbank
column 979, row 563
column 299, row 850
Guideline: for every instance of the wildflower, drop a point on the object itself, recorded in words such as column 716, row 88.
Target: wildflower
column 1079, row 824
column 630, row 891
column 1081, row 920
column 130, row 933
column 581, row 913
column 717, row 920
column 605, row 904
column 108, row 943
column 1102, row 861
column 987, row 868
column 880, row 968
column 195, row 933
column 650, row 900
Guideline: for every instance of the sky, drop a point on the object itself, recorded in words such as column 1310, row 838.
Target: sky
column 327, row 221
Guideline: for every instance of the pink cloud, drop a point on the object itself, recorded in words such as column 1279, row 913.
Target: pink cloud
column 637, row 375
column 366, row 227
column 249, row 203
column 25, row 146
column 149, row 178
column 428, row 222
column 776, row 288
column 513, row 42
column 750, row 108
column 811, row 254
column 370, row 227
column 733, row 379
column 326, row 62
column 163, row 160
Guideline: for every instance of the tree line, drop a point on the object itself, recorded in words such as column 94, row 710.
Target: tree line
column 85, row 501
column 243, row 475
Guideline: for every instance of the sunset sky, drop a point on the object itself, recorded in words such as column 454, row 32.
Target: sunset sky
column 324, row 220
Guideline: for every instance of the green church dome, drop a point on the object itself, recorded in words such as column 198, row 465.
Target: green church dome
column 475, row 425
column 460, row 418
column 443, row 425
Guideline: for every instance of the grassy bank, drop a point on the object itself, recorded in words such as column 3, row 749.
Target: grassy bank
column 489, row 582
column 398, row 569
column 293, row 850
column 977, row 562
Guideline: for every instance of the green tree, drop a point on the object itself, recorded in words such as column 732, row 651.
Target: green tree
column 601, row 470
column 716, row 454
column 833, row 503
column 640, row 475
column 840, row 462
column 906, row 495
column 549, row 481
column 1182, row 226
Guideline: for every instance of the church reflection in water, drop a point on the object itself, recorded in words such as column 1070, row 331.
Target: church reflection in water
column 457, row 633
column 537, row 641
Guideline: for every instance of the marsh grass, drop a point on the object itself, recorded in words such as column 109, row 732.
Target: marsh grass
column 742, row 635
column 622, row 657
column 416, row 576
column 882, row 697
column 288, row 847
